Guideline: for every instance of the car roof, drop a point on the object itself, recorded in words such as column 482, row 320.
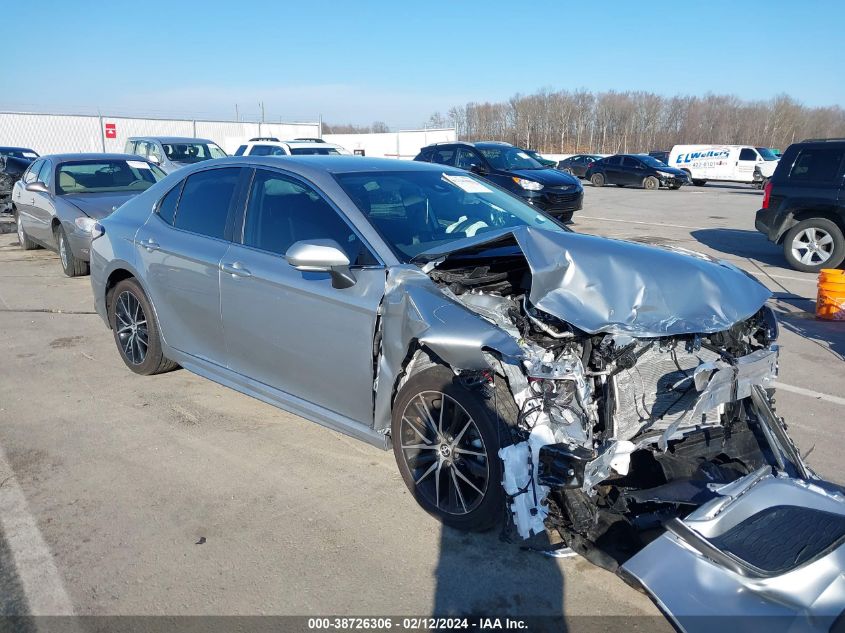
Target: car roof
column 91, row 156
column 170, row 139
column 343, row 164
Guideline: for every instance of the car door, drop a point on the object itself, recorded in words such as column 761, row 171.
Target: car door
column 612, row 168
column 633, row 171
column 43, row 207
column 179, row 251
column 294, row 330
column 24, row 199
column 745, row 164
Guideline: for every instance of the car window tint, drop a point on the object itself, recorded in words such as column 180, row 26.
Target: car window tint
column 817, row 164
column 167, row 207
column 747, row 154
column 32, row 173
column 282, row 211
column 467, row 158
column 205, row 201
column 445, row 156
column 630, row 161
column 240, row 150
column 266, row 150
column 613, row 160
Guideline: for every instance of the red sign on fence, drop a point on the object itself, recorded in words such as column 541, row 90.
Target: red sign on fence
column 111, row 130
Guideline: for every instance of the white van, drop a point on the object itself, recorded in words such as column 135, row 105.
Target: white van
column 730, row 163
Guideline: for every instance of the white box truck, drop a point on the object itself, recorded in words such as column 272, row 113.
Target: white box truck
column 726, row 163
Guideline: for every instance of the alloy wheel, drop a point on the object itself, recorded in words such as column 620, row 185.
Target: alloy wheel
column 63, row 250
column 131, row 325
column 812, row 246
column 445, row 453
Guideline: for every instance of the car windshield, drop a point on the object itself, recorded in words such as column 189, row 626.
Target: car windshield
column 415, row 211
column 766, row 153
column 103, row 176
column 322, row 151
column 508, row 157
column 651, row 161
column 18, row 152
column 191, row 152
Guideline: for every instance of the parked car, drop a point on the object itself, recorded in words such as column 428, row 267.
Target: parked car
column 624, row 170
column 577, row 165
column 21, row 153
column 12, row 167
column 612, row 391
column 59, row 199
column 558, row 194
column 299, row 147
column 804, row 205
column 724, row 163
column 173, row 152
column 545, row 162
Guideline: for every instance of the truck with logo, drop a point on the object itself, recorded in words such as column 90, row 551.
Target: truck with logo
column 725, row 163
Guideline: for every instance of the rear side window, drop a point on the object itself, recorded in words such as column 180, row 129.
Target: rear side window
column 240, row 151
column 206, row 199
column 613, row 160
column 817, row 164
column 747, row 154
column 444, row 156
column 167, row 206
column 629, row 161
column 266, row 150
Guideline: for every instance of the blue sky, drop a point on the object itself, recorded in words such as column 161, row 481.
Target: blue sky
column 399, row 61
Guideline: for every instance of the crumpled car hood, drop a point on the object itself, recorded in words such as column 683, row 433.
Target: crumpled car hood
column 605, row 285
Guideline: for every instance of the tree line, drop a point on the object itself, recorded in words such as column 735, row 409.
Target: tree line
column 566, row 121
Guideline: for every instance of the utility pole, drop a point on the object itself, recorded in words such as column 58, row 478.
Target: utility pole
column 261, row 105
column 237, row 115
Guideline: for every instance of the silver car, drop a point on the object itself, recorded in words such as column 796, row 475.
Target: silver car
column 59, row 199
column 613, row 394
column 173, row 152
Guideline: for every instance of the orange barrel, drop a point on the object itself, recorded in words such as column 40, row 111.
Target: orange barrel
column 830, row 304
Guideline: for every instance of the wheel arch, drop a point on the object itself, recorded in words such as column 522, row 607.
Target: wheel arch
column 808, row 212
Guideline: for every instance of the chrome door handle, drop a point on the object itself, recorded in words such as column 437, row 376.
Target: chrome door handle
column 236, row 269
column 151, row 245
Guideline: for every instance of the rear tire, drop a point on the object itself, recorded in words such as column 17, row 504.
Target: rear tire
column 135, row 329
column 26, row 243
column 451, row 463
column 72, row 265
column 814, row 244
column 651, row 183
column 597, row 180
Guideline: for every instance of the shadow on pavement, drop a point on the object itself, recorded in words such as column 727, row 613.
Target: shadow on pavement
column 797, row 315
column 750, row 244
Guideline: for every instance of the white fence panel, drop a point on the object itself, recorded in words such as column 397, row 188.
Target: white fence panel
column 124, row 128
column 51, row 133
column 404, row 144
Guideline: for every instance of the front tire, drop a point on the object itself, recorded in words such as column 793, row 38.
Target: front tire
column 446, row 438
column 814, row 244
column 651, row 183
column 72, row 265
column 26, row 243
column 135, row 329
column 597, row 180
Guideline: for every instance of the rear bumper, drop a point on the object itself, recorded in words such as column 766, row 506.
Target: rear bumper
column 766, row 222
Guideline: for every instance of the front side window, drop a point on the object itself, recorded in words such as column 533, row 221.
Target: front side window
column 415, row 211
column 282, row 211
column 747, row 154
column 31, row 174
column 314, row 151
column 612, row 160
column 106, row 176
column 45, row 174
column 814, row 164
column 191, row 152
column 205, row 202
column 630, row 161
column 467, row 158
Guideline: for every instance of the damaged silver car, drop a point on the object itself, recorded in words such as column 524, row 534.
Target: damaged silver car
column 607, row 396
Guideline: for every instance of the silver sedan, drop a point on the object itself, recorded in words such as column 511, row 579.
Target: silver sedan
column 613, row 394
column 59, row 199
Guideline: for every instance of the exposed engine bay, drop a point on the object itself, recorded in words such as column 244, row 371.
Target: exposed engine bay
column 616, row 433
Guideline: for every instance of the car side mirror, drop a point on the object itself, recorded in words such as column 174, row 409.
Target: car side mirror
column 478, row 169
column 322, row 256
column 37, row 187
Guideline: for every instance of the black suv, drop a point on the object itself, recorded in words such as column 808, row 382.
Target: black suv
column 558, row 194
column 804, row 204
column 643, row 170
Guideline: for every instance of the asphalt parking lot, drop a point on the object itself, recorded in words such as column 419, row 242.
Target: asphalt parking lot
column 121, row 494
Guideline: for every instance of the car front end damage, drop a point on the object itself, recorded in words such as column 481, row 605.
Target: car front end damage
column 646, row 438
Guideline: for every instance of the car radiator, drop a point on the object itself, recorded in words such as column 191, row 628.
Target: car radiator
column 658, row 389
